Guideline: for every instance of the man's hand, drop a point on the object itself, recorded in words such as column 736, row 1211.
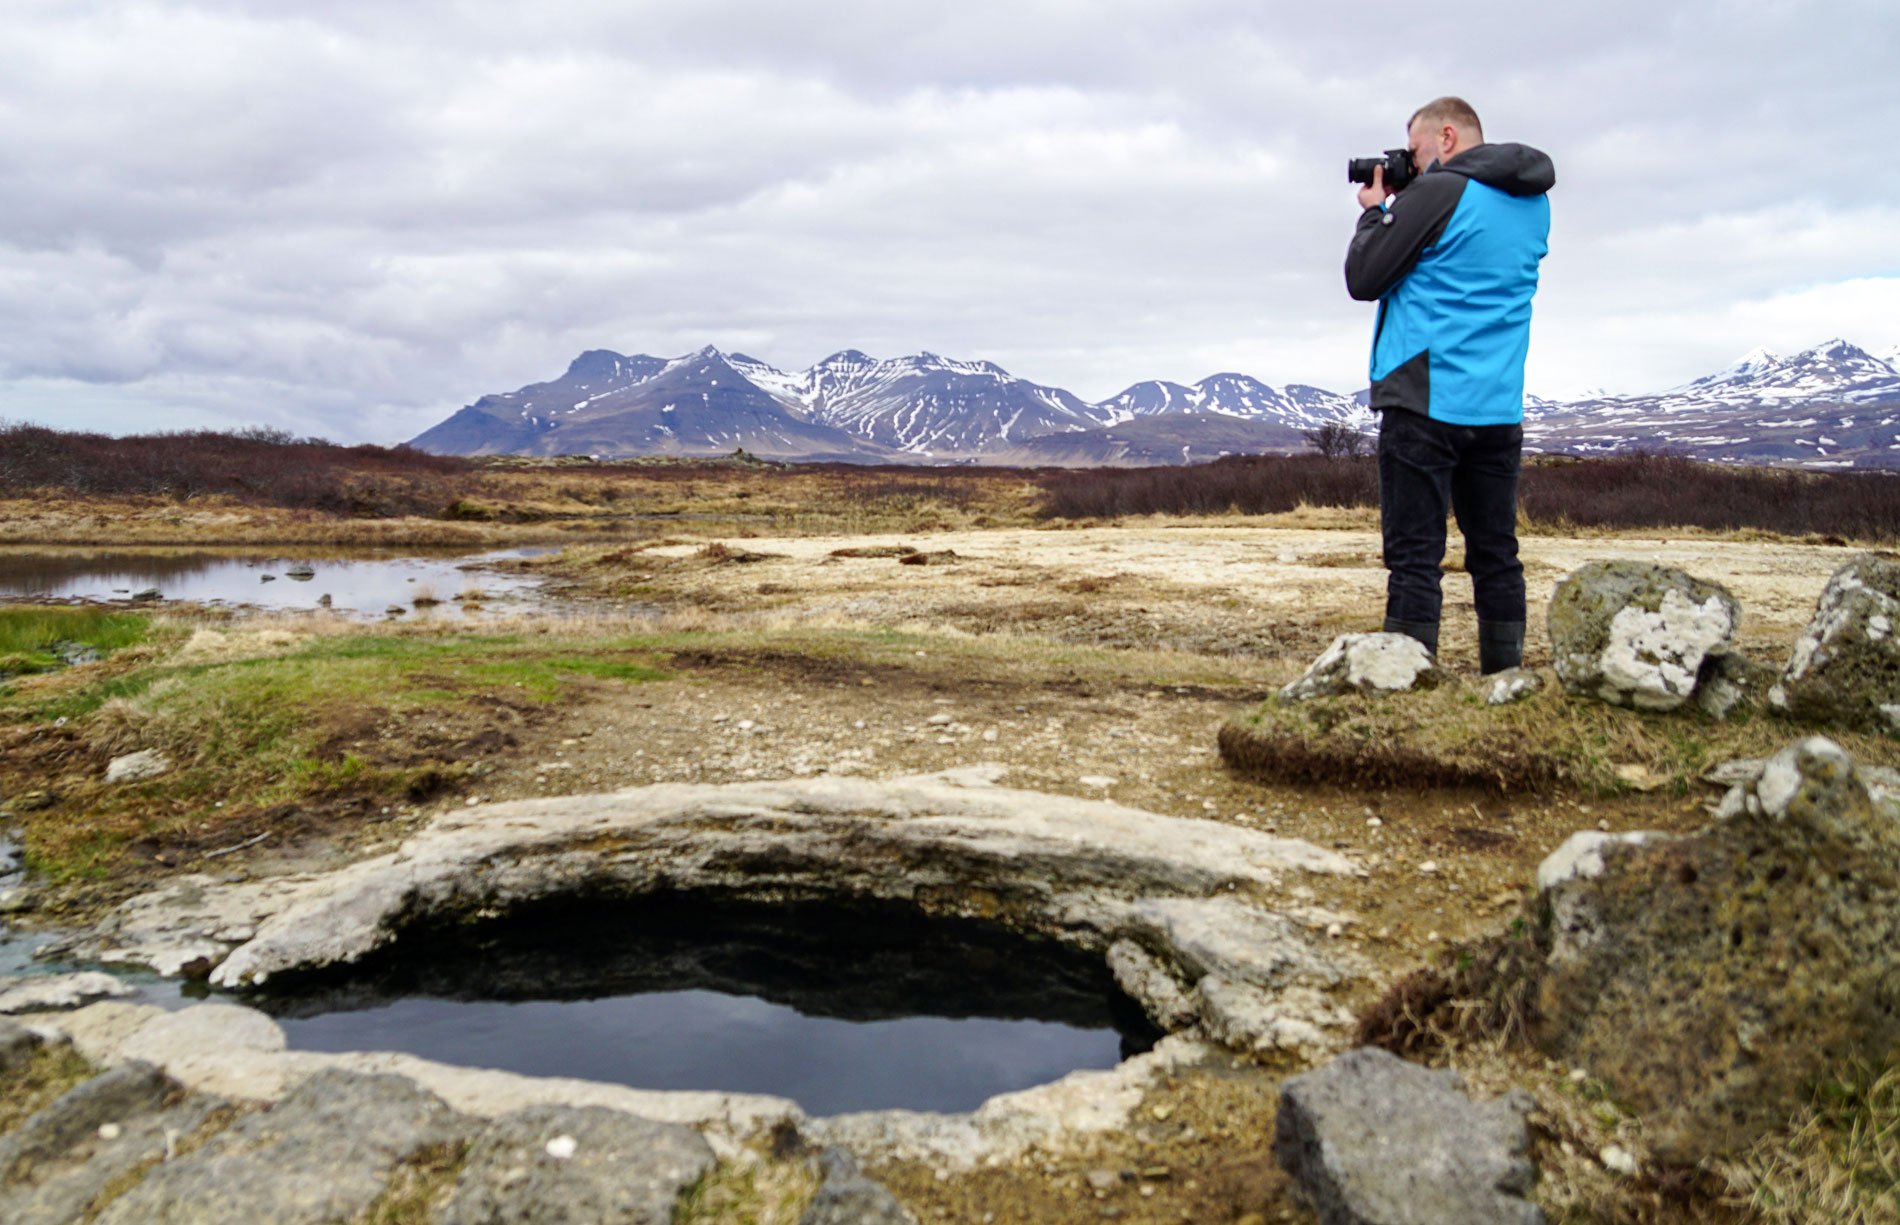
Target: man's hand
column 1371, row 197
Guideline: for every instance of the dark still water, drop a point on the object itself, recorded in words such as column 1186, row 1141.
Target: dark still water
column 838, row 1010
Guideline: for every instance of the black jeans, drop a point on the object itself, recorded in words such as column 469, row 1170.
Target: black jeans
column 1426, row 468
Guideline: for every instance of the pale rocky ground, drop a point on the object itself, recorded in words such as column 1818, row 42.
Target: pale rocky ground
column 1212, row 618
column 1245, row 607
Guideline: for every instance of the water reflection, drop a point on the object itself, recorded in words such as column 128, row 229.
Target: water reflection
column 364, row 584
column 839, row 1010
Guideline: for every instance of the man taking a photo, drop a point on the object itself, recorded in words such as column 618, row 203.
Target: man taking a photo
column 1452, row 261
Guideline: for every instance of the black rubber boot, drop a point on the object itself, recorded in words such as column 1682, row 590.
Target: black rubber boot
column 1425, row 631
column 1500, row 645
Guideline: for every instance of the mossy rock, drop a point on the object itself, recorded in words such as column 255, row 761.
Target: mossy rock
column 1637, row 634
column 1845, row 669
column 1714, row 980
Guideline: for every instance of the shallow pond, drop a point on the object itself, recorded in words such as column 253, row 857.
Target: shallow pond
column 359, row 583
column 838, row 1010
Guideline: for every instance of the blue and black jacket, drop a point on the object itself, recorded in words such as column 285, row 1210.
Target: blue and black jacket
column 1452, row 261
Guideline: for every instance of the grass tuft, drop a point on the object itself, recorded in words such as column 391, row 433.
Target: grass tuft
column 751, row 1191
column 1838, row 1161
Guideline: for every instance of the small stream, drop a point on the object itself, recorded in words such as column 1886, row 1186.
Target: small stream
column 361, row 583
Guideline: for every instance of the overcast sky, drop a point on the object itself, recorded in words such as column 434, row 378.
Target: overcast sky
column 351, row 217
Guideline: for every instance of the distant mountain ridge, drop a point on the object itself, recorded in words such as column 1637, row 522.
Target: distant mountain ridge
column 1832, row 405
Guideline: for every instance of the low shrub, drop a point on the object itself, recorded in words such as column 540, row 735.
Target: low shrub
column 263, row 467
column 1639, row 491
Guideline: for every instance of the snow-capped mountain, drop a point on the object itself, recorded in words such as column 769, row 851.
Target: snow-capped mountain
column 851, row 405
column 610, row 405
column 1833, row 405
column 1233, row 395
column 935, row 406
column 1834, row 368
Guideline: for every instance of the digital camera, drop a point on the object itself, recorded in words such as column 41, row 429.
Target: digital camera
column 1400, row 168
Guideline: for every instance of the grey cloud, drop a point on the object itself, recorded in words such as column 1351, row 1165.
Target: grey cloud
column 352, row 217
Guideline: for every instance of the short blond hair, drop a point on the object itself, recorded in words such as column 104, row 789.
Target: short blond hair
column 1455, row 111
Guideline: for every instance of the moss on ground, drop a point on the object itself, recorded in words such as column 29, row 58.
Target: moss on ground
column 420, row 1187
column 30, row 1088
column 752, row 1191
column 1449, row 736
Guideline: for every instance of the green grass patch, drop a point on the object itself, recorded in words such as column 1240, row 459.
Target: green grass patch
column 32, row 638
column 329, row 718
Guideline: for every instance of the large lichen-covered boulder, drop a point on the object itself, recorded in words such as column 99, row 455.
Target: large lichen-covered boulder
column 1367, row 663
column 1846, row 665
column 1636, row 634
column 1714, row 980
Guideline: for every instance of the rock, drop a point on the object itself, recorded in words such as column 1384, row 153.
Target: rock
column 1373, row 1140
column 111, row 1097
column 1845, row 669
column 1511, row 685
column 74, row 1153
column 17, row 1045
column 300, row 570
column 267, row 578
column 1636, row 634
column 1618, row 1160
column 1883, row 782
column 322, row 1154
column 1581, row 855
column 1143, row 978
column 1367, row 663
column 190, row 1031
column 1731, row 685
column 1202, row 897
column 617, row 1168
column 136, row 767
column 942, row 557
column 1639, row 777
column 49, row 992
column 73, row 654
column 847, row 1197
column 1711, row 980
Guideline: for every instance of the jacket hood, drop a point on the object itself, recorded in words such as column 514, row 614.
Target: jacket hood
column 1517, row 169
